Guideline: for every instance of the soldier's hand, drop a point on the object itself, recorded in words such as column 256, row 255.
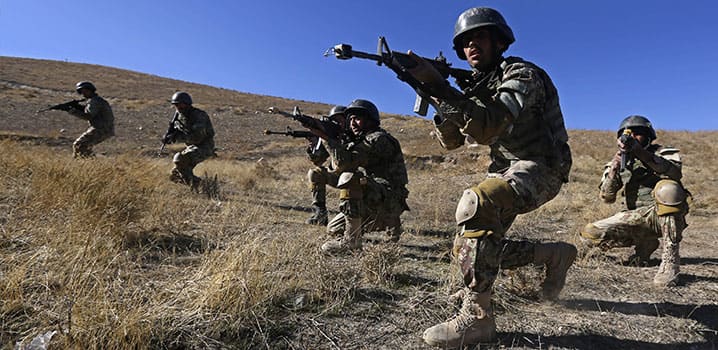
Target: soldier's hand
column 616, row 161
column 425, row 71
column 168, row 138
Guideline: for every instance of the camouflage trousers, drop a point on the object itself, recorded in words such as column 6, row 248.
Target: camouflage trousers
column 480, row 257
column 185, row 161
column 378, row 205
column 82, row 147
column 319, row 177
column 634, row 228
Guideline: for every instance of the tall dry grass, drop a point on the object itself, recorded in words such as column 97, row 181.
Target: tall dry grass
column 111, row 255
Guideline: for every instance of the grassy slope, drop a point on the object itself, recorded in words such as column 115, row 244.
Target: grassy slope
column 111, row 255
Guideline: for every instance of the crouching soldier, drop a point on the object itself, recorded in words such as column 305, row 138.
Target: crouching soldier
column 192, row 126
column 655, row 200
column 321, row 176
column 372, row 182
column 98, row 113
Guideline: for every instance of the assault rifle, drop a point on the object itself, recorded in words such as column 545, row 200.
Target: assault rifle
column 292, row 133
column 628, row 141
column 168, row 134
column 63, row 106
column 319, row 127
column 400, row 63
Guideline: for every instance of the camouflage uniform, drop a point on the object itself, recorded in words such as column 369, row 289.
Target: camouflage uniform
column 512, row 106
column 523, row 125
column 644, row 219
column 376, row 192
column 194, row 128
column 102, row 125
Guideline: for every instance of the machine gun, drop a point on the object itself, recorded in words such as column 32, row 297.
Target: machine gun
column 292, row 133
column 63, row 106
column 322, row 128
column 628, row 140
column 400, row 63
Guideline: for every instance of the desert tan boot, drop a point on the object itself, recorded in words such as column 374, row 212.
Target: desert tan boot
column 350, row 240
column 473, row 325
column 667, row 274
column 557, row 257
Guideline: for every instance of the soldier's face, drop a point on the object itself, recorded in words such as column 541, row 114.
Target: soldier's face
column 357, row 123
column 86, row 93
column 642, row 139
column 181, row 107
column 479, row 48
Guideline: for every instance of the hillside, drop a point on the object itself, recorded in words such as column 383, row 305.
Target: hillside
column 110, row 255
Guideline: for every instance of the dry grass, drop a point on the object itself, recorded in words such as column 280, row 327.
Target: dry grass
column 111, row 255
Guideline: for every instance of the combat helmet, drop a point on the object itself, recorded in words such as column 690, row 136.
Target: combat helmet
column 85, row 85
column 365, row 108
column 336, row 110
column 480, row 17
column 181, row 97
column 635, row 122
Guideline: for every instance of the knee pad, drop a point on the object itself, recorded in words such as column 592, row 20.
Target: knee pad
column 670, row 197
column 316, row 177
column 591, row 232
column 480, row 206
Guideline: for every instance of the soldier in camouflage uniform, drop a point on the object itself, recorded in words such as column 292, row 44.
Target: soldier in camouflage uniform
column 512, row 106
column 192, row 126
column 655, row 200
column 99, row 114
column 320, row 176
column 372, row 182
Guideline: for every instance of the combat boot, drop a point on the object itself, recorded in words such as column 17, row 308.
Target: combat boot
column 320, row 216
column 557, row 257
column 473, row 324
column 644, row 249
column 667, row 274
column 350, row 240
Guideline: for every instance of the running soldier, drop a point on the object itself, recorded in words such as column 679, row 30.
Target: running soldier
column 99, row 115
column 512, row 106
column 372, row 182
column 655, row 200
column 192, row 126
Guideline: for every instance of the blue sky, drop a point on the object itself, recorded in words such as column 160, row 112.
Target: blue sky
column 609, row 59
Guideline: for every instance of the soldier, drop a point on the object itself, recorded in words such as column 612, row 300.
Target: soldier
column 512, row 106
column 655, row 200
column 372, row 182
column 320, row 176
column 192, row 126
column 98, row 113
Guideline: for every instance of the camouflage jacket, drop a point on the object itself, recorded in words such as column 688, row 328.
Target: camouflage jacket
column 638, row 180
column 318, row 153
column 98, row 113
column 194, row 128
column 515, row 110
column 376, row 153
